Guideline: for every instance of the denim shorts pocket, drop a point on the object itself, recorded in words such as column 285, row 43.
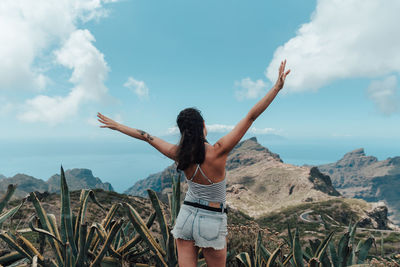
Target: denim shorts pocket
column 182, row 218
column 209, row 227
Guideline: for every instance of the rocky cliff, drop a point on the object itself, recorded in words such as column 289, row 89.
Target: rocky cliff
column 76, row 178
column 360, row 176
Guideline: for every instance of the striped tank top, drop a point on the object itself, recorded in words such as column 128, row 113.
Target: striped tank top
column 213, row 192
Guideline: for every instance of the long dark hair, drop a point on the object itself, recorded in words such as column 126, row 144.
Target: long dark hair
column 191, row 147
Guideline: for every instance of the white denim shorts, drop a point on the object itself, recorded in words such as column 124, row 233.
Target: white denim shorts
column 207, row 228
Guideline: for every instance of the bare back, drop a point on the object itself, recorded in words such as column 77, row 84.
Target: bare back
column 213, row 167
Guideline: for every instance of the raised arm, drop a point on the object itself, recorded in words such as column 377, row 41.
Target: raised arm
column 229, row 141
column 164, row 147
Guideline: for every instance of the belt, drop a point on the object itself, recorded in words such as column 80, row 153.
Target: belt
column 198, row 205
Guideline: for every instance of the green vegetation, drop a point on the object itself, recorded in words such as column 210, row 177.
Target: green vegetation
column 118, row 235
column 110, row 242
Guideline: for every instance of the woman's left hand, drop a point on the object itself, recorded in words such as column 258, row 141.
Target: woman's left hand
column 282, row 75
column 107, row 122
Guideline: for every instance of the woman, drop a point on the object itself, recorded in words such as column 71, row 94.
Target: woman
column 202, row 220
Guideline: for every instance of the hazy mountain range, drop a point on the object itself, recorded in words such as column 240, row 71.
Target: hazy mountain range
column 76, row 179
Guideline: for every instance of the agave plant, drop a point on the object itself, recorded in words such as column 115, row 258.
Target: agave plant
column 260, row 256
column 13, row 256
column 316, row 254
column 109, row 243
column 3, row 203
column 75, row 243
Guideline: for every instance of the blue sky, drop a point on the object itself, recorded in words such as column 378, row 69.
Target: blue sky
column 141, row 62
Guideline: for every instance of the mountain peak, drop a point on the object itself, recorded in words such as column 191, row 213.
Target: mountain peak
column 78, row 179
column 248, row 152
column 359, row 152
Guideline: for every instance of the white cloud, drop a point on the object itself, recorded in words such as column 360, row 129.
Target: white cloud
column 250, row 89
column 51, row 109
column 385, row 94
column 255, row 130
column 172, row 130
column 344, row 38
column 223, row 128
column 31, row 33
column 29, row 29
column 89, row 72
column 138, row 87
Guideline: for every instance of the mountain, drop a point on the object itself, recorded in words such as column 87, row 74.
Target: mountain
column 76, row 178
column 259, row 184
column 25, row 183
column 2, row 176
column 360, row 176
column 161, row 181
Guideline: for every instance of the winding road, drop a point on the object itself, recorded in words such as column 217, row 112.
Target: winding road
column 304, row 216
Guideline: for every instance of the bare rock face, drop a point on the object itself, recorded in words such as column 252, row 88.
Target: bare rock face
column 377, row 218
column 322, row 182
column 360, row 176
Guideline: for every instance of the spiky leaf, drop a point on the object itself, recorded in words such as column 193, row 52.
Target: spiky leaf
column 9, row 213
column 142, row 229
column 160, row 215
column 364, row 249
column 10, row 191
column 297, row 251
column 244, row 258
column 67, row 232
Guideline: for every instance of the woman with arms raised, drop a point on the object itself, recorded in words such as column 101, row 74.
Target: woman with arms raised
column 202, row 219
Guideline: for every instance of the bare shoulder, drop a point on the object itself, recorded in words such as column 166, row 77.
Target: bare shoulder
column 215, row 156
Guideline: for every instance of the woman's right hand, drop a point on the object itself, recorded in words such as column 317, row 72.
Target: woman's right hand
column 107, row 122
column 282, row 76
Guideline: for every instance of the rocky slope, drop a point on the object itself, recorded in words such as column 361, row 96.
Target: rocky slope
column 260, row 183
column 76, row 178
column 360, row 176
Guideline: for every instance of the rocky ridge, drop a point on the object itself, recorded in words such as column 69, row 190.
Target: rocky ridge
column 357, row 175
column 259, row 183
column 76, row 178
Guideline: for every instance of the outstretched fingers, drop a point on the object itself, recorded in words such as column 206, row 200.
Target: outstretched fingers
column 286, row 74
column 104, row 120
